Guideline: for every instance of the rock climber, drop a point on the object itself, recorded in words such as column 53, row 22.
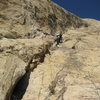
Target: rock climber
column 58, row 39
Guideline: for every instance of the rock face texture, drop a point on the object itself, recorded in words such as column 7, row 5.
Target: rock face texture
column 23, row 18
column 32, row 67
column 11, row 69
column 72, row 71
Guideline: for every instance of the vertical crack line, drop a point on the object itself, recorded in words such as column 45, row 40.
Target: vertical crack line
column 62, row 91
column 41, row 86
column 53, row 83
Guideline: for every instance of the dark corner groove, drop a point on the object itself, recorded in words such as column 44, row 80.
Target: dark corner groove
column 20, row 88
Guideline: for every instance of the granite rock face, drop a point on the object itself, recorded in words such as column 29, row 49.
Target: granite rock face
column 23, row 18
column 72, row 70
column 33, row 67
column 11, row 70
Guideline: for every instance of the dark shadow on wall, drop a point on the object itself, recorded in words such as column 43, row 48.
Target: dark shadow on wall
column 21, row 87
